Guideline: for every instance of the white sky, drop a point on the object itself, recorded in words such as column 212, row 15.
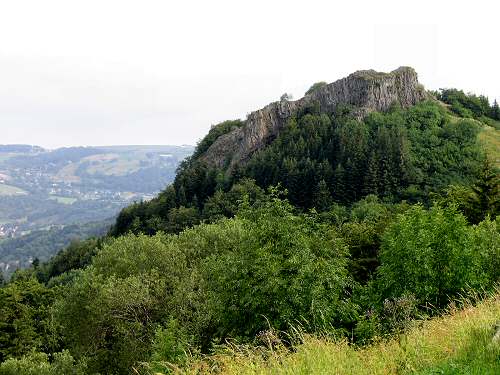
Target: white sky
column 161, row 72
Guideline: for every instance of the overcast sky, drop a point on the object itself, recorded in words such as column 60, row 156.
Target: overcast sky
column 161, row 72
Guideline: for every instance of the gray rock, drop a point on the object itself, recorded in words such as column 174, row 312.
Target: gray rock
column 367, row 90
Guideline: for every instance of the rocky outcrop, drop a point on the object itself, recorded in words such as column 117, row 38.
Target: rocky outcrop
column 367, row 90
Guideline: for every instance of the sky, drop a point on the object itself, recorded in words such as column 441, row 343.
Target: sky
column 85, row 72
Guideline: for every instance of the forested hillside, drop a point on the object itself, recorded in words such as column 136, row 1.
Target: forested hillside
column 349, row 215
column 321, row 159
column 40, row 246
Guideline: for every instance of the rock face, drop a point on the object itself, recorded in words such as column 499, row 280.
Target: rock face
column 367, row 90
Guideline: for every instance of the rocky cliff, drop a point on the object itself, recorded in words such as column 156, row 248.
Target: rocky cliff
column 367, row 90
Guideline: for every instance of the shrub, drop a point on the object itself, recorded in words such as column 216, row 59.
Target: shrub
column 286, row 268
column 431, row 254
column 39, row 364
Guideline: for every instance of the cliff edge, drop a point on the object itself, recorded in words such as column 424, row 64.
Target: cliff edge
column 366, row 90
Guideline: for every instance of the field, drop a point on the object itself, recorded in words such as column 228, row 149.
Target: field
column 114, row 164
column 460, row 342
column 11, row 190
column 63, row 200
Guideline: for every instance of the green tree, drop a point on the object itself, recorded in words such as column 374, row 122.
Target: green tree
column 495, row 111
column 322, row 199
column 25, row 320
column 43, row 364
column 284, row 268
column 181, row 218
column 486, row 242
column 429, row 254
column 485, row 199
column 112, row 309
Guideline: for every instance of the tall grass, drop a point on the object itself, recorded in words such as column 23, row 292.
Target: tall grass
column 459, row 342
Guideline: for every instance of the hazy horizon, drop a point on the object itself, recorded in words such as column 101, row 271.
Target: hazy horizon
column 98, row 145
column 116, row 73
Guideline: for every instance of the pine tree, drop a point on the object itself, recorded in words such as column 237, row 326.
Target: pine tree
column 322, row 199
column 485, row 199
column 339, row 191
column 371, row 180
column 181, row 196
column 495, row 111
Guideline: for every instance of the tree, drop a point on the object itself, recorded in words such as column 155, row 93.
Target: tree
column 371, row 180
column 485, row 199
column 181, row 218
column 283, row 268
column 315, row 87
column 112, row 310
column 339, row 190
column 25, row 318
column 286, row 97
column 495, row 111
column 43, row 364
column 322, row 199
column 429, row 254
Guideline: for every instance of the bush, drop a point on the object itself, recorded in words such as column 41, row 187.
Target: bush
column 429, row 253
column 285, row 268
column 38, row 364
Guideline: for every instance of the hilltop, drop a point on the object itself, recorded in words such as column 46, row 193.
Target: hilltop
column 367, row 91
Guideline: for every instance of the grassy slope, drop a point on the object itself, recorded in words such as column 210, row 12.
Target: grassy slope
column 490, row 138
column 458, row 343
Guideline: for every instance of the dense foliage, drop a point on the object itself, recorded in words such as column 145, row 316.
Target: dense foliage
column 469, row 105
column 321, row 158
column 434, row 254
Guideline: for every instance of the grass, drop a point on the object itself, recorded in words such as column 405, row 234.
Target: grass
column 490, row 138
column 457, row 343
column 11, row 190
column 63, row 200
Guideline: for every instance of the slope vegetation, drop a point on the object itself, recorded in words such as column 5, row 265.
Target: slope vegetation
column 460, row 342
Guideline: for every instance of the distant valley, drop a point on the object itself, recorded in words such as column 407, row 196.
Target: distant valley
column 43, row 192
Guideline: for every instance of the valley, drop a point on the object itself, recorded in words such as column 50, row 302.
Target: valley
column 47, row 190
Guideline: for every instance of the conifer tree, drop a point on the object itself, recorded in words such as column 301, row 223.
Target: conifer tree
column 495, row 111
column 181, row 196
column 486, row 196
column 339, row 191
column 371, row 180
column 322, row 199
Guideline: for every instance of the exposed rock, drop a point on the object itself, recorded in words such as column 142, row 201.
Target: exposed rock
column 367, row 90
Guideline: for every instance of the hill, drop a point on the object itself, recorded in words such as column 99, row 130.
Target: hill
column 369, row 133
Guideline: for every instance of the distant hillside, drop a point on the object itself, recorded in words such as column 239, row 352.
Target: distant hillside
column 20, row 252
column 42, row 189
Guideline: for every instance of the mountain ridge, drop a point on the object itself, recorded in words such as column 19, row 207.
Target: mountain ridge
column 367, row 90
